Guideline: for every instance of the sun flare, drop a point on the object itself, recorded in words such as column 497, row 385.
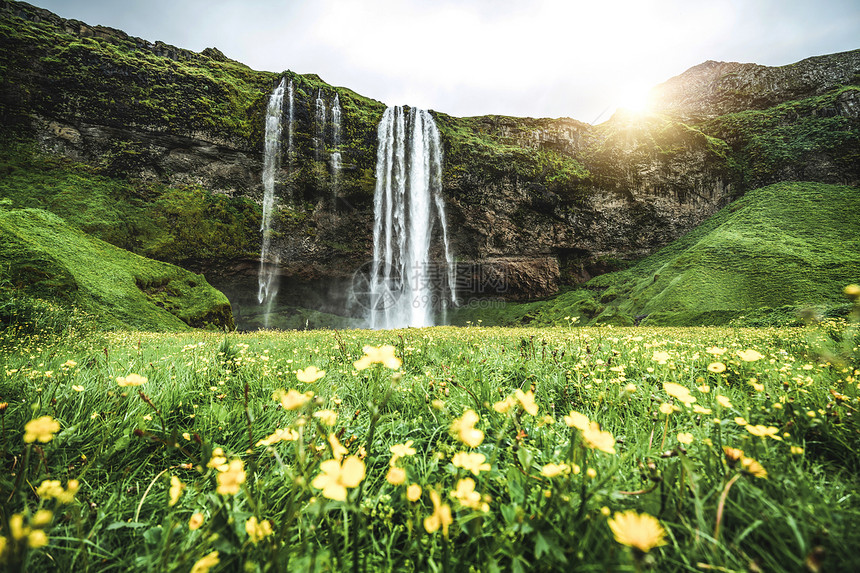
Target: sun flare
column 637, row 99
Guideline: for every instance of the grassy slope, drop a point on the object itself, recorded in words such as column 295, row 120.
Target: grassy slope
column 57, row 262
column 786, row 245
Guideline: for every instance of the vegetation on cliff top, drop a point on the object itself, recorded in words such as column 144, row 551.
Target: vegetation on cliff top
column 44, row 259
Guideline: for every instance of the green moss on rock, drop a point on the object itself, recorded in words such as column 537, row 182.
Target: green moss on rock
column 48, row 259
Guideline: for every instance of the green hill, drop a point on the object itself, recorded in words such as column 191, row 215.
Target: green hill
column 45, row 258
column 765, row 257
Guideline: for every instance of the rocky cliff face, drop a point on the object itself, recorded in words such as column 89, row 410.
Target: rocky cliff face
column 533, row 203
column 717, row 88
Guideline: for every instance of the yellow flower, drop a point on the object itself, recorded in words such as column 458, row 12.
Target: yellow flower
column 502, row 406
column 42, row 518
column 401, row 451
column 685, row 438
column 196, row 521
column 723, row 401
column 852, row 292
column 553, row 470
column 49, row 489
column 733, row 455
column 293, row 399
column 337, row 450
column 413, row 492
column 310, row 374
column 749, row 355
column 753, row 468
column 740, row 421
column 667, row 408
column 527, row 401
column 16, row 527
column 700, row 410
column 796, row 450
column 679, row 392
column 466, row 495
column 258, row 530
column 327, row 417
column 68, row 496
column 176, row 489
column 231, row 478
column 131, row 380
column 597, row 439
column 205, row 563
column 660, row 356
column 764, row 431
column 77, row 388
column 334, row 478
column 441, row 516
column 279, row 435
column 473, row 462
column 717, row 367
column 217, row 460
column 577, row 420
column 383, row 355
column 37, row 538
column 41, row 429
column 716, row 350
column 464, row 429
column 395, row 475
column 640, row 531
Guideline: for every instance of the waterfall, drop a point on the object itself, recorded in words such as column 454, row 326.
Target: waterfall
column 405, row 285
column 267, row 278
column 319, row 125
column 291, row 100
column 335, row 156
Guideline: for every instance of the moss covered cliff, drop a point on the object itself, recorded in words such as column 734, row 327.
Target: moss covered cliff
column 46, row 259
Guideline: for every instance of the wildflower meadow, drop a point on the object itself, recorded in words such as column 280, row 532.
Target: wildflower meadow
column 439, row 449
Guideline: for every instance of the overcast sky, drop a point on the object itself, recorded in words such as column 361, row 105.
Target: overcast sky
column 544, row 58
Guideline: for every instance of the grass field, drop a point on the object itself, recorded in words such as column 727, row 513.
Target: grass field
column 443, row 449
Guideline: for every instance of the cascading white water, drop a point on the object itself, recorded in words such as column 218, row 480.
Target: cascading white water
column 405, row 285
column 290, row 118
column 319, row 125
column 267, row 278
column 335, row 155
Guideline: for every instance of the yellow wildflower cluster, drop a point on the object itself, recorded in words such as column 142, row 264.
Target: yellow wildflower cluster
column 230, row 476
column 592, row 435
column 41, row 429
column 736, row 457
column 53, row 489
column 258, row 530
column 526, row 400
column 33, row 532
column 463, row 428
column 382, row 355
column 131, row 380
